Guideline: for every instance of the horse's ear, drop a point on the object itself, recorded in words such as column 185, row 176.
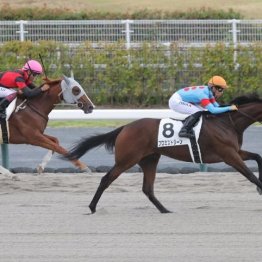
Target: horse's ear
column 67, row 80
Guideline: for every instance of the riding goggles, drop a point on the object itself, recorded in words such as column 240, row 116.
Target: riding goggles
column 219, row 89
column 34, row 74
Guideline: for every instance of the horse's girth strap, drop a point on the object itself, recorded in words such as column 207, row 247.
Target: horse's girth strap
column 4, row 131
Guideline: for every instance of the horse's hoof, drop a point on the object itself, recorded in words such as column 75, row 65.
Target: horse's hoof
column 86, row 170
column 166, row 211
column 88, row 214
column 93, row 210
column 259, row 190
column 40, row 169
column 15, row 178
column 5, row 171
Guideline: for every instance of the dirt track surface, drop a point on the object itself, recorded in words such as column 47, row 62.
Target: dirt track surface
column 217, row 217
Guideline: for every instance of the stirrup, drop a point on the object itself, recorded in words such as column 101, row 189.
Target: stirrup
column 2, row 115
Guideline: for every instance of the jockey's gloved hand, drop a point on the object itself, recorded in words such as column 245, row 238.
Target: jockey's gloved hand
column 45, row 88
column 32, row 86
column 234, row 108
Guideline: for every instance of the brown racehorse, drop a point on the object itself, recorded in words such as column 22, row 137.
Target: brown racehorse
column 136, row 143
column 27, row 125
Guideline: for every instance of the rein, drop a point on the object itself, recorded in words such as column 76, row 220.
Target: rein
column 250, row 117
column 33, row 108
column 232, row 122
column 60, row 95
column 244, row 114
column 36, row 111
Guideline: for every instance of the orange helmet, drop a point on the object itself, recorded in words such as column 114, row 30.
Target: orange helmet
column 217, row 81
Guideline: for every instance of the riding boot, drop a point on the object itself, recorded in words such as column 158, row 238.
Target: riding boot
column 3, row 105
column 188, row 124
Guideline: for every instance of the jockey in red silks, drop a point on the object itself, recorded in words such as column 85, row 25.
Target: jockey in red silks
column 19, row 81
column 196, row 99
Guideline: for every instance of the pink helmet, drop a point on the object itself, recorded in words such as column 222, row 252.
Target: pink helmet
column 33, row 66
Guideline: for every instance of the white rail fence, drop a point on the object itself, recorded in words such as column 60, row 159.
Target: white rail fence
column 132, row 32
column 108, row 114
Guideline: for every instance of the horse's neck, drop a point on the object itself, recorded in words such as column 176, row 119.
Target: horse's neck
column 246, row 116
column 46, row 101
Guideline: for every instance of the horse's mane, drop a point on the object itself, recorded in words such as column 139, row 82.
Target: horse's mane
column 246, row 99
column 51, row 81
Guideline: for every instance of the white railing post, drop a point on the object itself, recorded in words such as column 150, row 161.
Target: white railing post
column 21, row 31
column 234, row 38
column 127, row 32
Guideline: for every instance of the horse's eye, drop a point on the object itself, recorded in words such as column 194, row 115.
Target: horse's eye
column 76, row 90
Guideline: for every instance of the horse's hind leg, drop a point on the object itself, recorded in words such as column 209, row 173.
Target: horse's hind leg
column 106, row 180
column 149, row 165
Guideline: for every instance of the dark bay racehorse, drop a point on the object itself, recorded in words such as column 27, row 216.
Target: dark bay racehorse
column 27, row 125
column 136, row 143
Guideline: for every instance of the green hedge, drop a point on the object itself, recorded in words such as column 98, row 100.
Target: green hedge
column 145, row 76
column 44, row 13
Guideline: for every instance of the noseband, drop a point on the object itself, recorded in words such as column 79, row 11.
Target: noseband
column 79, row 104
column 60, row 95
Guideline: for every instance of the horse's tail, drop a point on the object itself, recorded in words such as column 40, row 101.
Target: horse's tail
column 86, row 144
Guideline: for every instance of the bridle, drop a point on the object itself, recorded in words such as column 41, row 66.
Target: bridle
column 61, row 98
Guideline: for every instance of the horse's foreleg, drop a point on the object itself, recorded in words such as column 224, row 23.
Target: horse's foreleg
column 5, row 171
column 41, row 167
column 245, row 155
column 52, row 144
column 235, row 160
column 149, row 165
column 76, row 162
column 256, row 157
